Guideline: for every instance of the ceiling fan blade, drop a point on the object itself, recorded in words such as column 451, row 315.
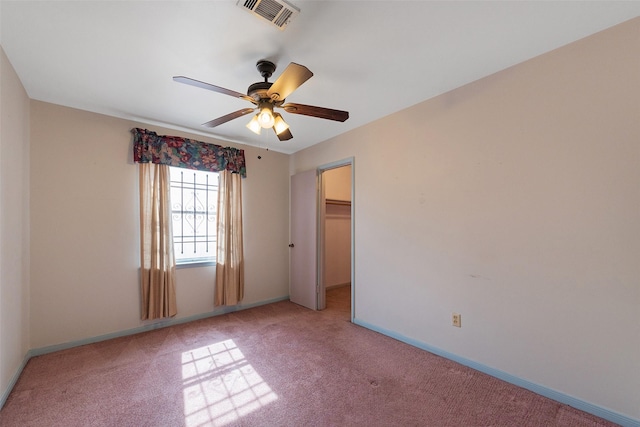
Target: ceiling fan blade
column 320, row 112
column 208, row 86
column 291, row 79
column 224, row 119
column 285, row 135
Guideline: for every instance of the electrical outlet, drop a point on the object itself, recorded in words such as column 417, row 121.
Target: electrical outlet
column 457, row 320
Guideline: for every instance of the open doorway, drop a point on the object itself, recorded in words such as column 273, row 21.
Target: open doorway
column 336, row 238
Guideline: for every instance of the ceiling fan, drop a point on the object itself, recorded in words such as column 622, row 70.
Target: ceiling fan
column 265, row 96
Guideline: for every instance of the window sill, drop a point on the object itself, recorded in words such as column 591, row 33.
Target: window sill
column 193, row 264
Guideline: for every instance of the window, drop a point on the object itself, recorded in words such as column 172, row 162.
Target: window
column 194, row 197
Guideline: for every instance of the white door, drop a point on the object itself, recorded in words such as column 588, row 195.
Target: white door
column 303, row 253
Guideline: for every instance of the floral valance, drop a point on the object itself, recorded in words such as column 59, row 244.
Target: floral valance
column 149, row 147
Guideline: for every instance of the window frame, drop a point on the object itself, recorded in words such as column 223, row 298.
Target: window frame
column 211, row 236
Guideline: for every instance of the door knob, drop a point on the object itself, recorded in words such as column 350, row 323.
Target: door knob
column 291, row 245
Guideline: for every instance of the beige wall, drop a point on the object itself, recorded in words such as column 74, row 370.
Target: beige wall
column 515, row 201
column 14, row 225
column 85, row 228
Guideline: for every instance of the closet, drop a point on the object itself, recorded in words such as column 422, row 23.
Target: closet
column 337, row 227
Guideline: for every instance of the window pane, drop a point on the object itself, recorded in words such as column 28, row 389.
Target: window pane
column 194, row 195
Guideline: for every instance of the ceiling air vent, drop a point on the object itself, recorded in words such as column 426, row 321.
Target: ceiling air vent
column 278, row 12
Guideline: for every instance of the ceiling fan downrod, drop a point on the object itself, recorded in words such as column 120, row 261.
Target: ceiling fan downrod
column 266, row 69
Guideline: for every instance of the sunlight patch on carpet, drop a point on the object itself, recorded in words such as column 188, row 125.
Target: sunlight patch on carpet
column 220, row 385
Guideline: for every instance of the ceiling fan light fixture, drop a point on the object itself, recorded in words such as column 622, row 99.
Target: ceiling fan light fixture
column 279, row 125
column 254, row 125
column 265, row 117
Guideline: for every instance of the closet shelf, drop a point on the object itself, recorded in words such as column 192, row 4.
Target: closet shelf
column 338, row 202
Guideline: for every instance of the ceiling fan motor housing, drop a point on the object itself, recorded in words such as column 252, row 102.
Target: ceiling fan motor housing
column 259, row 90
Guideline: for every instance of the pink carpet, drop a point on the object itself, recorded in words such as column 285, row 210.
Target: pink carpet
column 276, row 365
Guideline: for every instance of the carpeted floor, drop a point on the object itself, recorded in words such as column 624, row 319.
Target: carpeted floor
column 275, row 365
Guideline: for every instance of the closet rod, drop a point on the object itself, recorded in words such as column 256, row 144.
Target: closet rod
column 338, row 202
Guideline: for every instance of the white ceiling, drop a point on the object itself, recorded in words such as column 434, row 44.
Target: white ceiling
column 371, row 58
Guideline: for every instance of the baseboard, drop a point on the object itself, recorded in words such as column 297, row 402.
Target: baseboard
column 14, row 380
column 152, row 326
column 566, row 399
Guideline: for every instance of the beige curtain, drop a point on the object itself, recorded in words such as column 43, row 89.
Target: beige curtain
column 158, row 265
column 229, row 257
